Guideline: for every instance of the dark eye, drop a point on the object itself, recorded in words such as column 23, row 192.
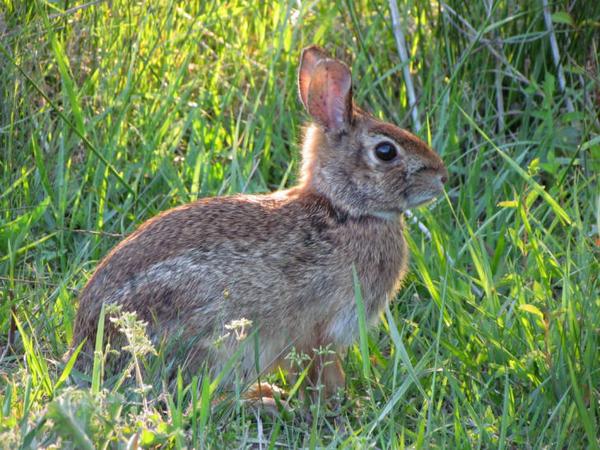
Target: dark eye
column 385, row 151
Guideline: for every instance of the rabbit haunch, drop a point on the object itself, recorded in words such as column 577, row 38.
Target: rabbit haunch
column 283, row 261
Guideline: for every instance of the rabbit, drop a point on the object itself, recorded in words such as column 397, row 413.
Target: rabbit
column 278, row 265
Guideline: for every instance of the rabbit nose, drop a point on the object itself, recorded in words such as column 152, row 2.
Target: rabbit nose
column 443, row 178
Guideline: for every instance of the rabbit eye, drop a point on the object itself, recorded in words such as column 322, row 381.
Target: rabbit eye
column 385, row 151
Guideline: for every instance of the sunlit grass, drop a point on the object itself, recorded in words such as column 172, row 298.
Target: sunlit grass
column 116, row 111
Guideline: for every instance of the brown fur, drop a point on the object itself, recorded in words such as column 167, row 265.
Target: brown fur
column 283, row 260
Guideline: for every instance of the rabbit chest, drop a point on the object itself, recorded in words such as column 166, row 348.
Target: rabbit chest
column 376, row 248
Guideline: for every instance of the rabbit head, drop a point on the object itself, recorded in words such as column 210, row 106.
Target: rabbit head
column 363, row 165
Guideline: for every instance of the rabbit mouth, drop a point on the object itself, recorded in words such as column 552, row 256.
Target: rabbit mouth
column 420, row 199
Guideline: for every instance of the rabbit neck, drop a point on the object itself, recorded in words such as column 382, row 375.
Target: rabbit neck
column 343, row 209
column 387, row 215
column 342, row 213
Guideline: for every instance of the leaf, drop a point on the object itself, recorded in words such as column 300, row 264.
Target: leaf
column 563, row 17
column 527, row 307
column 68, row 367
column 362, row 324
column 97, row 367
column 508, row 204
column 68, row 83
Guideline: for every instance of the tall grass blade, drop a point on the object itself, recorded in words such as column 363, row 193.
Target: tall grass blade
column 363, row 338
column 98, row 364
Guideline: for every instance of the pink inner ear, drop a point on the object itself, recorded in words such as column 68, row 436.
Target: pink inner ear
column 311, row 56
column 339, row 89
column 330, row 95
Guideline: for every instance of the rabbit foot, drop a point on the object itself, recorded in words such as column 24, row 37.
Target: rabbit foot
column 267, row 397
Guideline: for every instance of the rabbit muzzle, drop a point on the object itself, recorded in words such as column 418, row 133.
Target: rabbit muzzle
column 425, row 185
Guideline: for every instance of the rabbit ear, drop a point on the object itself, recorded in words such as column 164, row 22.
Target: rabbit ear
column 308, row 61
column 329, row 96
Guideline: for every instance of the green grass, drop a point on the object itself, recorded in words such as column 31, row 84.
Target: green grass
column 117, row 110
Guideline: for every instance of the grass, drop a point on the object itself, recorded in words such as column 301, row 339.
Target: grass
column 114, row 111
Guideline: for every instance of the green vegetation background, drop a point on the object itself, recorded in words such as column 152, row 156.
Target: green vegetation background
column 113, row 111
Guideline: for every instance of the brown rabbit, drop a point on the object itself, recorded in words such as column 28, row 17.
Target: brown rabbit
column 284, row 260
